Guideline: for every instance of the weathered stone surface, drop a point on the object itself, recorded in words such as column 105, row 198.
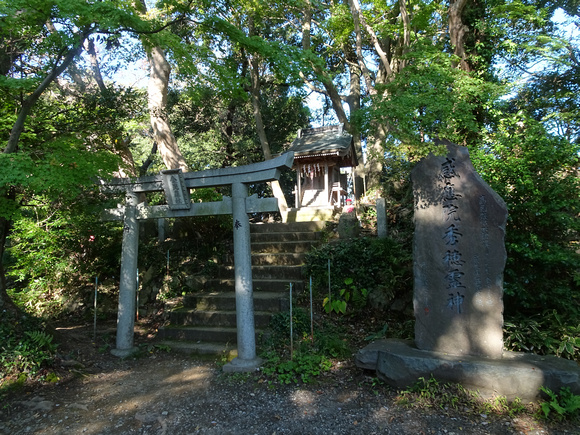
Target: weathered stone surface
column 382, row 229
column 459, row 257
column 348, row 225
column 400, row 364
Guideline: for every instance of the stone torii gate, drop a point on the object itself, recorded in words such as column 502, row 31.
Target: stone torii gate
column 176, row 186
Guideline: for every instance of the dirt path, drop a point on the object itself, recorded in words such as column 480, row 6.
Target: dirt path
column 166, row 393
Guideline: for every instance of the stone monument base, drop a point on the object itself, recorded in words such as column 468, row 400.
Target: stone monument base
column 516, row 375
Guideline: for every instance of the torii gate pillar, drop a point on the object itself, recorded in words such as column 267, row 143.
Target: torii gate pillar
column 176, row 187
column 246, row 334
column 128, row 280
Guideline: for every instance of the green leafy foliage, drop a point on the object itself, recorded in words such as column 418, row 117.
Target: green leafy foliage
column 349, row 294
column 25, row 347
column 310, row 358
column 381, row 266
column 303, row 367
column 214, row 131
column 535, row 173
column 562, row 405
column 429, row 98
column 61, row 166
column 546, row 334
column 58, row 248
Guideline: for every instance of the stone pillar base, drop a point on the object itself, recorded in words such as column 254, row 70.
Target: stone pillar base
column 238, row 365
column 124, row 353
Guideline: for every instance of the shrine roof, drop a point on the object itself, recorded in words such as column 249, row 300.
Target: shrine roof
column 323, row 141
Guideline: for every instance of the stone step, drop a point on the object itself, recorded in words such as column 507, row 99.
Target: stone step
column 208, row 334
column 271, row 302
column 288, row 227
column 277, row 259
column 280, row 247
column 289, row 272
column 202, row 348
column 206, row 325
column 224, row 285
column 288, row 236
column 277, row 285
column 195, row 317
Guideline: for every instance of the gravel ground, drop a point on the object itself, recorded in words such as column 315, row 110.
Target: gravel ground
column 168, row 393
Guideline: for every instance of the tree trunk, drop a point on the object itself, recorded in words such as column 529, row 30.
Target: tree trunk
column 329, row 88
column 157, row 94
column 5, row 301
column 457, row 31
column 89, row 46
column 359, row 48
column 306, row 25
column 359, row 17
column 255, row 96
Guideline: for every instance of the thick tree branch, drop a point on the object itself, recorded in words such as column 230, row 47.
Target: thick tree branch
column 359, row 54
column 355, row 6
column 89, row 47
column 31, row 100
column 148, row 161
column 406, row 29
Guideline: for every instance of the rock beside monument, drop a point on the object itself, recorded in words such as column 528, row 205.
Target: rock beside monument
column 515, row 375
column 348, row 224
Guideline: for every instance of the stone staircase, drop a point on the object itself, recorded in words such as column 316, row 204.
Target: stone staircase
column 206, row 324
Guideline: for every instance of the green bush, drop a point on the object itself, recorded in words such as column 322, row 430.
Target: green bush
column 546, row 333
column 280, row 326
column 349, row 295
column 380, row 266
column 303, row 367
column 537, row 176
column 308, row 357
column 25, row 347
column 564, row 405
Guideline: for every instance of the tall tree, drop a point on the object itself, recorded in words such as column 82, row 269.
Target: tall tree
column 157, row 89
column 39, row 41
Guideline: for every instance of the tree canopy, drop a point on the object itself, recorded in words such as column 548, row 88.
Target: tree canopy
column 230, row 83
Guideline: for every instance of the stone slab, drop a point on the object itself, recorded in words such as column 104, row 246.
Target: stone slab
column 382, row 229
column 400, row 364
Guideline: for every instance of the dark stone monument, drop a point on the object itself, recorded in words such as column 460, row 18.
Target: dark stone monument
column 459, row 257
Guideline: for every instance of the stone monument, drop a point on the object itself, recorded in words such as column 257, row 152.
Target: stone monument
column 459, row 257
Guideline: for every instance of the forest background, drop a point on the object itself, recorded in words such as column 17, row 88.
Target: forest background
column 229, row 84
